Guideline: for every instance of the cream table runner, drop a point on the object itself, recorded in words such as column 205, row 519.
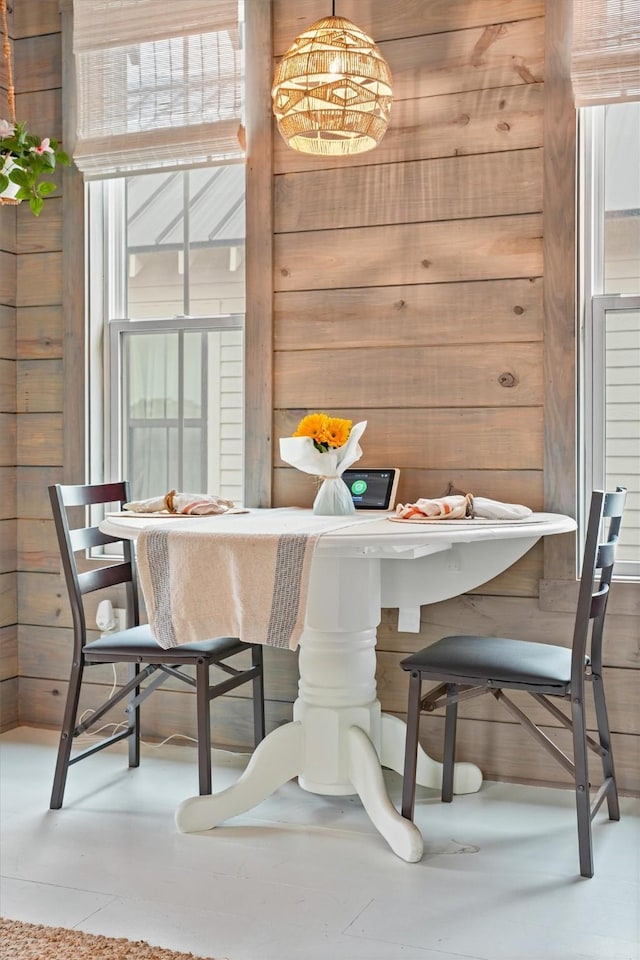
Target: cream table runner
column 238, row 575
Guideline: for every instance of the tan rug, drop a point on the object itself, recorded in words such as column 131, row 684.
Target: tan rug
column 27, row 941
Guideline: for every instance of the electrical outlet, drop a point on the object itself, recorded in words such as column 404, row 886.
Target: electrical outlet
column 120, row 615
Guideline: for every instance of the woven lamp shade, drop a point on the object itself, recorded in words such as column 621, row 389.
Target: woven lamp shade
column 332, row 90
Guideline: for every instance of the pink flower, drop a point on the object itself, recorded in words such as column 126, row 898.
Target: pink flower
column 43, row 148
column 6, row 129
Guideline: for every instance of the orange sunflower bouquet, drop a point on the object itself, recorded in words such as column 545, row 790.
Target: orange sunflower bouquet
column 325, row 447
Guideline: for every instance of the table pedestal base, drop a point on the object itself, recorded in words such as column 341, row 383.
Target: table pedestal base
column 280, row 757
column 338, row 740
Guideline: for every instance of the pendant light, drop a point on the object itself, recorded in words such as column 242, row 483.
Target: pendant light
column 332, row 90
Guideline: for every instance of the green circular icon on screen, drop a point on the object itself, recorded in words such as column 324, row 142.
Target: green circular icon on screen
column 358, row 487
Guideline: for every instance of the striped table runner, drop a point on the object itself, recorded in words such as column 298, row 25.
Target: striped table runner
column 243, row 575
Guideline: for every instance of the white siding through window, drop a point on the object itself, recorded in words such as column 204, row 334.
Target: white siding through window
column 622, row 443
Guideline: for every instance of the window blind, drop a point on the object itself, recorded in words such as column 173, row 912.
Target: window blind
column 605, row 60
column 158, row 85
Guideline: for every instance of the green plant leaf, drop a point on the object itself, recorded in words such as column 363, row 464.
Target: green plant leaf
column 4, row 182
column 46, row 187
column 21, row 177
column 36, row 204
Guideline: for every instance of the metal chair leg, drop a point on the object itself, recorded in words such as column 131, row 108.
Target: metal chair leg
column 411, row 746
column 257, row 660
column 66, row 734
column 134, row 720
column 450, row 723
column 204, row 727
column 583, row 803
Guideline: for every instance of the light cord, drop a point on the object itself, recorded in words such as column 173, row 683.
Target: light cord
column 6, row 49
column 116, row 727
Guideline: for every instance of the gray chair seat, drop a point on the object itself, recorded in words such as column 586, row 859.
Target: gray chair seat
column 500, row 660
column 140, row 642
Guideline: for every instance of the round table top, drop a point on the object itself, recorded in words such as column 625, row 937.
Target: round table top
column 364, row 534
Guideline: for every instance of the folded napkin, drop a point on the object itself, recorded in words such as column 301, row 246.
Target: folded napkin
column 191, row 504
column 456, row 507
column 445, row 508
column 495, row 510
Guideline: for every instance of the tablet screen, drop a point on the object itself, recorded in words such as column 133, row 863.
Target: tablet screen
column 372, row 489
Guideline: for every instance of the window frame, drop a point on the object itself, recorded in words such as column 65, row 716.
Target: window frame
column 109, row 317
column 117, row 332
column 593, row 306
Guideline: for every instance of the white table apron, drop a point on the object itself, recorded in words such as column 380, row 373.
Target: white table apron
column 339, row 740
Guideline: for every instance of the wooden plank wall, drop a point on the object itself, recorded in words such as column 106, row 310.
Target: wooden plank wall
column 8, row 509
column 417, row 266
column 408, row 290
column 39, row 340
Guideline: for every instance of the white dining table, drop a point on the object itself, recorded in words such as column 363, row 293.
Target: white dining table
column 339, row 741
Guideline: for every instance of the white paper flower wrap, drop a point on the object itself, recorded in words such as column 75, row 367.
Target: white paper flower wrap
column 333, row 497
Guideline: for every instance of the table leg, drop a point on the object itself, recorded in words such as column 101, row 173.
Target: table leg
column 276, row 759
column 467, row 778
column 402, row 835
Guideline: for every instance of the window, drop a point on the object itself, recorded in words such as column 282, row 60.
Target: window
column 159, row 138
column 167, row 330
column 610, row 290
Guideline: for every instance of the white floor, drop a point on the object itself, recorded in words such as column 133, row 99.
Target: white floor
column 304, row 877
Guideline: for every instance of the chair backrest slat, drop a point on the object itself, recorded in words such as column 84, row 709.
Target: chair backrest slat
column 606, row 554
column 593, row 597
column 83, row 495
column 599, row 602
column 103, row 577
column 614, row 503
column 83, row 538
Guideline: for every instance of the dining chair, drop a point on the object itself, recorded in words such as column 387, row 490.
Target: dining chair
column 148, row 662
column 469, row 666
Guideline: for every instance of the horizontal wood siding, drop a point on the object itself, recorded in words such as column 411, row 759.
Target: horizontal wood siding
column 442, row 438
column 44, row 233
column 298, row 489
column 451, row 125
column 8, row 386
column 461, row 376
column 8, row 449
column 8, row 704
column 39, row 439
column 490, row 311
column 37, row 355
column 8, row 268
column 412, row 192
column 487, row 249
column 8, row 499
column 39, row 333
column 8, row 653
column 7, row 331
column 166, row 713
column 33, row 494
column 408, row 20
